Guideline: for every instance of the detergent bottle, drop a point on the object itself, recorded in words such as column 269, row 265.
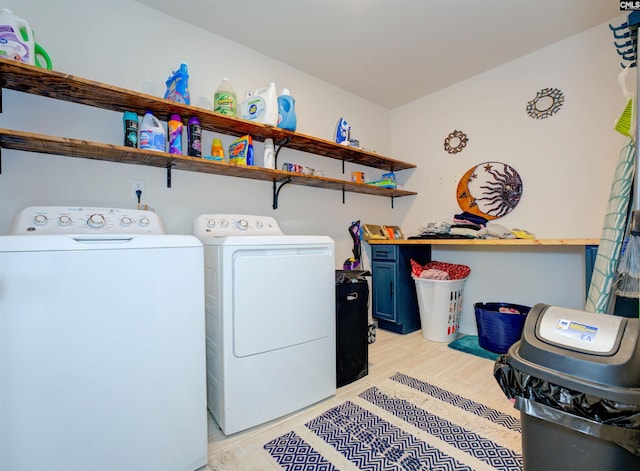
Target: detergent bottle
column 194, row 131
column 224, row 99
column 178, row 86
column 261, row 106
column 130, row 122
column 174, row 128
column 217, row 151
column 17, row 41
column 269, row 154
column 286, row 111
column 152, row 135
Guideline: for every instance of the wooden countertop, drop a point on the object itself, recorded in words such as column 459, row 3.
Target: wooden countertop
column 487, row 242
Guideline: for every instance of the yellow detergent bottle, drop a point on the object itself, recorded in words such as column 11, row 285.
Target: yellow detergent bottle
column 217, row 151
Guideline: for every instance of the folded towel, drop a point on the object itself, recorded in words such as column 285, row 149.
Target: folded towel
column 495, row 231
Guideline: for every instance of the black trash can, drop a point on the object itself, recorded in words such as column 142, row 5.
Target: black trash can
column 575, row 377
column 352, row 326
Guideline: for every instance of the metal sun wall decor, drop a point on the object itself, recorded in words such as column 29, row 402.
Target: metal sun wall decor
column 547, row 102
column 490, row 190
column 455, row 142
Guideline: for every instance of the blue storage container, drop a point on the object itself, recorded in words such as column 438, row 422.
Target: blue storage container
column 497, row 330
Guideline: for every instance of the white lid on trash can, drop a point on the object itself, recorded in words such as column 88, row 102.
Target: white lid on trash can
column 581, row 330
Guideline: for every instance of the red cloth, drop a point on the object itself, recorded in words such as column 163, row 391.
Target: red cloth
column 455, row 270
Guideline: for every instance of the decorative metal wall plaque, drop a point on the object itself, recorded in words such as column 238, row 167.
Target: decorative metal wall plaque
column 490, row 190
column 455, row 142
column 547, row 102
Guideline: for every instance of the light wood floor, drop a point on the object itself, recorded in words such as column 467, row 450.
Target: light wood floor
column 388, row 354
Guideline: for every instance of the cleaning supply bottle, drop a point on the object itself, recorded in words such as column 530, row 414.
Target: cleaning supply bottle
column 178, row 86
column 269, row 154
column 261, row 106
column 16, row 38
column 130, row 122
column 224, row 99
column 17, row 41
column 217, row 151
column 152, row 134
column 286, row 111
column 194, row 131
column 174, row 126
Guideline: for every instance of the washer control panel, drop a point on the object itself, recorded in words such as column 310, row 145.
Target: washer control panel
column 223, row 225
column 85, row 220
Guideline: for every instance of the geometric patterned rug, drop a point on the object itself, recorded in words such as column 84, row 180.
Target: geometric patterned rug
column 409, row 424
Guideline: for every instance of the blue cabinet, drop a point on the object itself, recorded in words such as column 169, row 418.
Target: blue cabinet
column 394, row 302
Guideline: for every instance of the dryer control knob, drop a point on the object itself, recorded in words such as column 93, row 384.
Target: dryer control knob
column 242, row 224
column 259, row 224
column 144, row 221
column 40, row 219
column 224, row 223
column 64, row 220
column 126, row 221
column 211, row 223
column 96, row 220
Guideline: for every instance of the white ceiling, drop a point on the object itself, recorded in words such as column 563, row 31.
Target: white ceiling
column 392, row 52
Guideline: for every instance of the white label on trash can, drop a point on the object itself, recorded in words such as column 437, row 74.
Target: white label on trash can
column 582, row 332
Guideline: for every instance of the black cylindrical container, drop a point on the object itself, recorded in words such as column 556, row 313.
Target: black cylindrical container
column 130, row 121
column 195, row 138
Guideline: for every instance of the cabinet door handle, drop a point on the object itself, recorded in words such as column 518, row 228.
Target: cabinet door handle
column 391, row 289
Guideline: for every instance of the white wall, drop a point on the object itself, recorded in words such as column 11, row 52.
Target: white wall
column 126, row 44
column 566, row 162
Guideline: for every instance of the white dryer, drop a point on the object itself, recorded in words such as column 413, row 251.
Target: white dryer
column 270, row 316
column 102, row 347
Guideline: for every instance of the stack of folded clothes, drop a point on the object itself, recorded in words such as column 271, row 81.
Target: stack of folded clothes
column 469, row 226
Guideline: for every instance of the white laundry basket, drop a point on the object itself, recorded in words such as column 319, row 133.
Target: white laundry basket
column 440, row 305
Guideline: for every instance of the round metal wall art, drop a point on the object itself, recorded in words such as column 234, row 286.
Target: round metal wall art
column 547, row 102
column 490, row 190
column 455, row 142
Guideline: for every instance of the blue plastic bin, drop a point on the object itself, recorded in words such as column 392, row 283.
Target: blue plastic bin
column 497, row 331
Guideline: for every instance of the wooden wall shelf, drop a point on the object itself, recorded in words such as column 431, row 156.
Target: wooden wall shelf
column 489, row 242
column 40, row 143
column 47, row 83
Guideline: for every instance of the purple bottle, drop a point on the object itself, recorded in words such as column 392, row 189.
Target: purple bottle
column 175, row 134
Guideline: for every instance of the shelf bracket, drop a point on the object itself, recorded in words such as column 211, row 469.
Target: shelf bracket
column 392, row 202
column 343, row 166
column 343, row 192
column 276, row 191
column 280, row 145
column 169, row 165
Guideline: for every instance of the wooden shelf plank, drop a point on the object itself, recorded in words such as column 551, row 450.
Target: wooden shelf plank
column 30, row 79
column 40, row 143
column 489, row 242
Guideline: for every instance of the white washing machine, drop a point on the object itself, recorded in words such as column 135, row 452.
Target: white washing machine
column 270, row 315
column 102, row 343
